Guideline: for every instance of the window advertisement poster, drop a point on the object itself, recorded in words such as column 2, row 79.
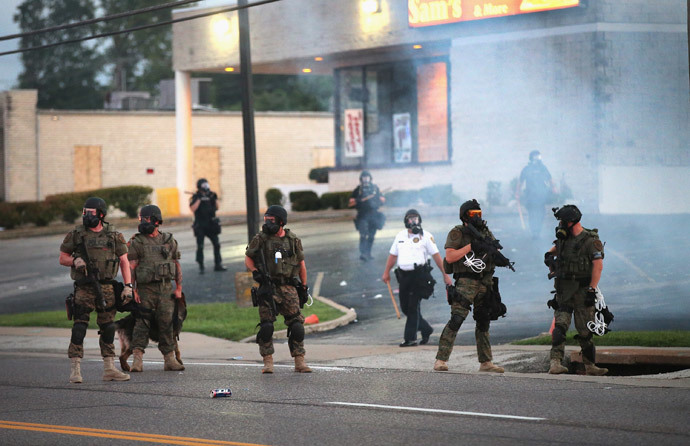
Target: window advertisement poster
column 402, row 138
column 439, row 12
column 354, row 139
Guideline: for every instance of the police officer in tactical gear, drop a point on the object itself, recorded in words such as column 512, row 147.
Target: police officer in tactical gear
column 154, row 259
column 204, row 204
column 473, row 273
column 411, row 250
column 95, row 251
column 276, row 259
column 578, row 256
column 539, row 187
column 367, row 199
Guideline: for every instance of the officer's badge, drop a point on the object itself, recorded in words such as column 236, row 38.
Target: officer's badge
column 416, row 239
column 432, row 239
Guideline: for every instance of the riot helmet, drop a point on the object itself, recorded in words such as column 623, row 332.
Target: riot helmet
column 416, row 227
column 365, row 173
column 202, row 184
column 155, row 216
column 534, row 155
column 280, row 215
column 90, row 220
column 567, row 213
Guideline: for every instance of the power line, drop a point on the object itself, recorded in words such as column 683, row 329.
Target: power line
column 99, row 19
column 139, row 28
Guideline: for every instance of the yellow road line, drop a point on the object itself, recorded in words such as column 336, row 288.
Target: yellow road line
column 631, row 265
column 122, row 435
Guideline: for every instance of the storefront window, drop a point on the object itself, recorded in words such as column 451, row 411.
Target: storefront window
column 403, row 112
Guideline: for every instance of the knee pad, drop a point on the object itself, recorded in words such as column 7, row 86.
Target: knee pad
column 558, row 335
column 107, row 332
column 455, row 322
column 78, row 333
column 265, row 333
column 296, row 332
column 483, row 324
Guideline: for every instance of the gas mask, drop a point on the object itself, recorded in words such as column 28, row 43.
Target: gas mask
column 474, row 217
column 146, row 227
column 562, row 230
column 413, row 224
column 270, row 227
column 90, row 220
column 205, row 187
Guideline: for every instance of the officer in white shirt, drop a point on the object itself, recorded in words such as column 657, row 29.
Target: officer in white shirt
column 411, row 250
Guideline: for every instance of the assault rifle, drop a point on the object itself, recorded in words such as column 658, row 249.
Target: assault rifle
column 266, row 288
column 92, row 276
column 492, row 248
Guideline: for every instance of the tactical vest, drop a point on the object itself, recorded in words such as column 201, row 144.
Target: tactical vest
column 157, row 262
column 573, row 262
column 100, row 247
column 459, row 267
column 286, row 265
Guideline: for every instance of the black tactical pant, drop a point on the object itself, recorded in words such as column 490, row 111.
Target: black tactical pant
column 201, row 234
column 367, row 225
column 411, row 306
column 536, row 209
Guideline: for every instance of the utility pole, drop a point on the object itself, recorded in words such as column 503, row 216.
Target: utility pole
column 251, row 185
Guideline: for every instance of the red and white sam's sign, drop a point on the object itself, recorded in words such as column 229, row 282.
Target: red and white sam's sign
column 437, row 12
column 354, row 136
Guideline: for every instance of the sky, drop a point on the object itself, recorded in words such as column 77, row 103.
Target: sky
column 10, row 66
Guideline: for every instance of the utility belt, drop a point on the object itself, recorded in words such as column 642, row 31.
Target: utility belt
column 280, row 281
column 582, row 281
column 156, row 281
column 474, row 276
column 87, row 281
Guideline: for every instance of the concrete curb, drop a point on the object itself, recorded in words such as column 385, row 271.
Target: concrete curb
column 349, row 316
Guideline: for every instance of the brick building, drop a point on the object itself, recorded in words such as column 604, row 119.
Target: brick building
column 459, row 92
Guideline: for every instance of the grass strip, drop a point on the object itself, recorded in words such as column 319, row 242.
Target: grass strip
column 665, row 338
column 220, row 320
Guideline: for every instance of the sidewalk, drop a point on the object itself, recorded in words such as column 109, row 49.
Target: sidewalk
column 519, row 361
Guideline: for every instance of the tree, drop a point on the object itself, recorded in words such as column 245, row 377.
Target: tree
column 139, row 59
column 65, row 75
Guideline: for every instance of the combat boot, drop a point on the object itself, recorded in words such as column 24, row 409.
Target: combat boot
column 75, row 371
column 556, row 367
column 110, row 373
column 489, row 366
column 138, row 361
column 171, row 364
column 592, row 370
column 268, row 364
column 441, row 366
column 300, row 365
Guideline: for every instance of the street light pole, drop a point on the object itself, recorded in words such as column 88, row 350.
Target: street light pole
column 250, row 177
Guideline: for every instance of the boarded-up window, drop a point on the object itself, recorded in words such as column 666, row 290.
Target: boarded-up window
column 87, row 168
column 207, row 165
column 432, row 112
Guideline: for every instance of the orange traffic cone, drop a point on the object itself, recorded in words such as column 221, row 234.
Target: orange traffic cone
column 553, row 325
column 311, row 319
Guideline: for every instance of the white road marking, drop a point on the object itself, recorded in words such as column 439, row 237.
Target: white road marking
column 187, row 362
column 450, row 412
column 631, row 264
column 317, row 284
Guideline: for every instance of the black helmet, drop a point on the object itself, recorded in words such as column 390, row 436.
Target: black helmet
column 201, row 181
column 567, row 213
column 151, row 210
column 365, row 173
column 409, row 213
column 98, row 204
column 468, row 205
column 278, row 212
column 533, row 154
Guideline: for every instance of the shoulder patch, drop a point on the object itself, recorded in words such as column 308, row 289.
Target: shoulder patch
column 121, row 238
column 455, row 234
column 432, row 239
column 598, row 245
column 68, row 237
column 298, row 244
column 254, row 243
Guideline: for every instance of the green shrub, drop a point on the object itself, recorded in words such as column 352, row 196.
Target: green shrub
column 128, row 199
column 305, row 200
column 68, row 206
column 10, row 216
column 319, row 174
column 335, row 200
column 39, row 213
column 439, row 195
column 402, row 198
column 274, row 196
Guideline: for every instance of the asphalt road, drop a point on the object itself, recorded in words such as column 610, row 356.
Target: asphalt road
column 333, row 406
column 645, row 279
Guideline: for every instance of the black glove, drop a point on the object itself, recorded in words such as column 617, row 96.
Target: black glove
column 549, row 258
column 590, row 297
column 553, row 303
column 479, row 246
column 259, row 276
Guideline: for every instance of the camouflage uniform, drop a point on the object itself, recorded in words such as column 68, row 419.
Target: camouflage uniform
column 282, row 270
column 104, row 248
column 472, row 289
column 575, row 272
column 156, row 258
